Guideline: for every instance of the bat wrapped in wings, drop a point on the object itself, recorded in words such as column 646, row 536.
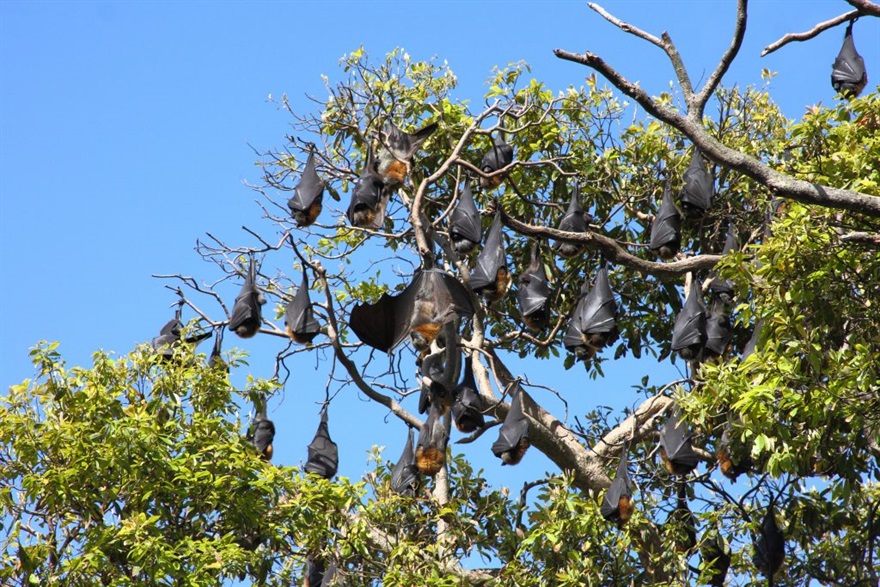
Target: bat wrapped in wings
column 419, row 311
column 369, row 198
column 594, row 322
column 323, row 457
column 575, row 220
column 718, row 330
column 733, row 458
column 440, row 368
column 405, row 474
column 722, row 289
column 696, row 195
column 491, row 278
column 848, row 74
column 247, row 313
column 676, row 449
column 170, row 335
column 617, row 505
column 215, row 359
column 770, row 545
column 302, row 327
column 262, row 433
column 308, row 195
column 689, row 332
column 465, row 228
column 396, row 153
column 666, row 227
column 513, row 437
column 467, row 404
column 499, row 156
column 533, row 294
column 431, row 446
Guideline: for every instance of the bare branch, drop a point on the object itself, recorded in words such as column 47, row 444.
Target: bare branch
column 866, row 7
column 695, row 110
column 807, row 35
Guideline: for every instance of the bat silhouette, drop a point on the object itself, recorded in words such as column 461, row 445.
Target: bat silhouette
column 302, row 327
column 420, row 310
column 696, row 195
column 752, row 343
column 314, row 573
column 770, row 545
column 431, row 446
column 170, row 336
column 666, row 227
column 323, row 453
column 465, row 229
column 395, row 155
column 491, row 278
column 215, row 360
column 405, row 474
column 732, row 462
column 440, row 368
column 467, row 405
column 306, row 203
column 689, row 332
column 683, row 523
column 262, row 433
column 722, row 288
column 848, row 74
column 617, row 505
column 496, row 158
column 247, row 312
column 533, row 294
column 676, row 449
column 575, row 220
column 718, row 330
column 369, row 198
column 594, row 322
column 715, row 554
column 513, row 437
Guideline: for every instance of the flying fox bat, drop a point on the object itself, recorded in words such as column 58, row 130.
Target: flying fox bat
column 215, row 360
column 369, row 198
column 848, row 74
column 465, row 229
column 715, row 554
column 575, row 220
column 722, row 288
column 247, row 313
column 696, row 195
column 617, row 505
column 439, row 369
column 689, row 332
column 405, row 474
column 467, row 405
column 395, row 155
column 770, row 545
column 169, row 336
column 718, row 330
column 733, row 462
column 666, row 227
column 676, row 449
column 431, row 447
column 314, row 573
column 262, row 433
column 323, row 453
column 306, row 203
column 513, row 438
column 302, row 327
column 594, row 323
column 533, row 294
column 419, row 311
column 491, row 278
column 498, row 157
column 683, row 523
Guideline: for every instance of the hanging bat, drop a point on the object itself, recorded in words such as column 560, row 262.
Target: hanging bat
column 323, row 453
column 575, row 220
column 715, row 555
column 215, row 360
column 676, row 449
column 513, row 438
column 723, row 288
column 848, row 74
column 302, row 327
column 369, row 198
column 666, row 227
column 308, row 195
column 533, row 294
column 689, row 332
column 465, row 229
column 247, row 313
column 696, row 195
column 170, row 336
column 498, row 157
column 395, row 155
column 439, row 369
column 617, row 505
column 732, row 465
column 467, row 405
column 314, row 573
column 770, row 545
column 262, row 433
column 718, row 330
column 405, row 474
column 491, row 278
column 420, row 310
column 594, row 322
column 431, row 447
column 682, row 521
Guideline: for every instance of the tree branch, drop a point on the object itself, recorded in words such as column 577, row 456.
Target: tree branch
column 695, row 110
column 807, row 35
column 866, row 7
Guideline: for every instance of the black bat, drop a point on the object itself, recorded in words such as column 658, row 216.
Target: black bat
column 419, row 311
column 617, row 505
column 533, row 294
column 369, row 198
column 170, row 336
column 262, row 433
column 683, row 523
column 594, row 322
column 666, row 227
column 513, row 437
column 715, row 555
column 848, row 74
column 440, row 368
column 302, row 327
column 491, row 278
column 752, row 343
column 405, row 474
column 498, row 157
column 467, row 405
column 732, row 459
column 323, row 453
column 247, row 313
column 676, row 449
column 696, row 195
column 215, row 360
column 314, row 573
column 575, row 220
column 689, row 332
column 723, row 288
column 398, row 148
column 718, row 330
column 308, row 195
column 431, row 446
column 465, row 228
column 770, row 545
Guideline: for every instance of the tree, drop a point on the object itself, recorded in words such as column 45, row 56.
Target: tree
column 798, row 414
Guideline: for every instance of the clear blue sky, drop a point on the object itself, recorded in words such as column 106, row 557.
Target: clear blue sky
column 125, row 132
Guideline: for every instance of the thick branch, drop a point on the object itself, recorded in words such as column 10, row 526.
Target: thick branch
column 866, row 7
column 806, row 35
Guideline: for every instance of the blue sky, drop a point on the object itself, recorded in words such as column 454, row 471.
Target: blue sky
column 126, row 133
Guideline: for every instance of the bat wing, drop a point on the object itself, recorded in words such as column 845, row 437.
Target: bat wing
column 698, row 189
column 383, row 324
column 676, row 441
column 446, row 292
column 168, row 335
column 770, row 546
column 263, row 433
column 666, row 227
column 848, row 71
column 433, row 434
column 405, row 474
column 690, row 324
column 299, row 314
column 323, row 453
column 599, row 311
column 718, row 332
column 491, row 258
column 499, row 156
column 574, row 334
column 534, row 291
column 368, row 193
column 247, row 310
column 467, row 408
column 309, row 189
column 514, row 429
column 621, row 486
column 574, row 220
column 465, row 220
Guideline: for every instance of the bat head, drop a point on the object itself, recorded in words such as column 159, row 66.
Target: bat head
column 499, row 156
column 513, row 437
column 848, row 74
